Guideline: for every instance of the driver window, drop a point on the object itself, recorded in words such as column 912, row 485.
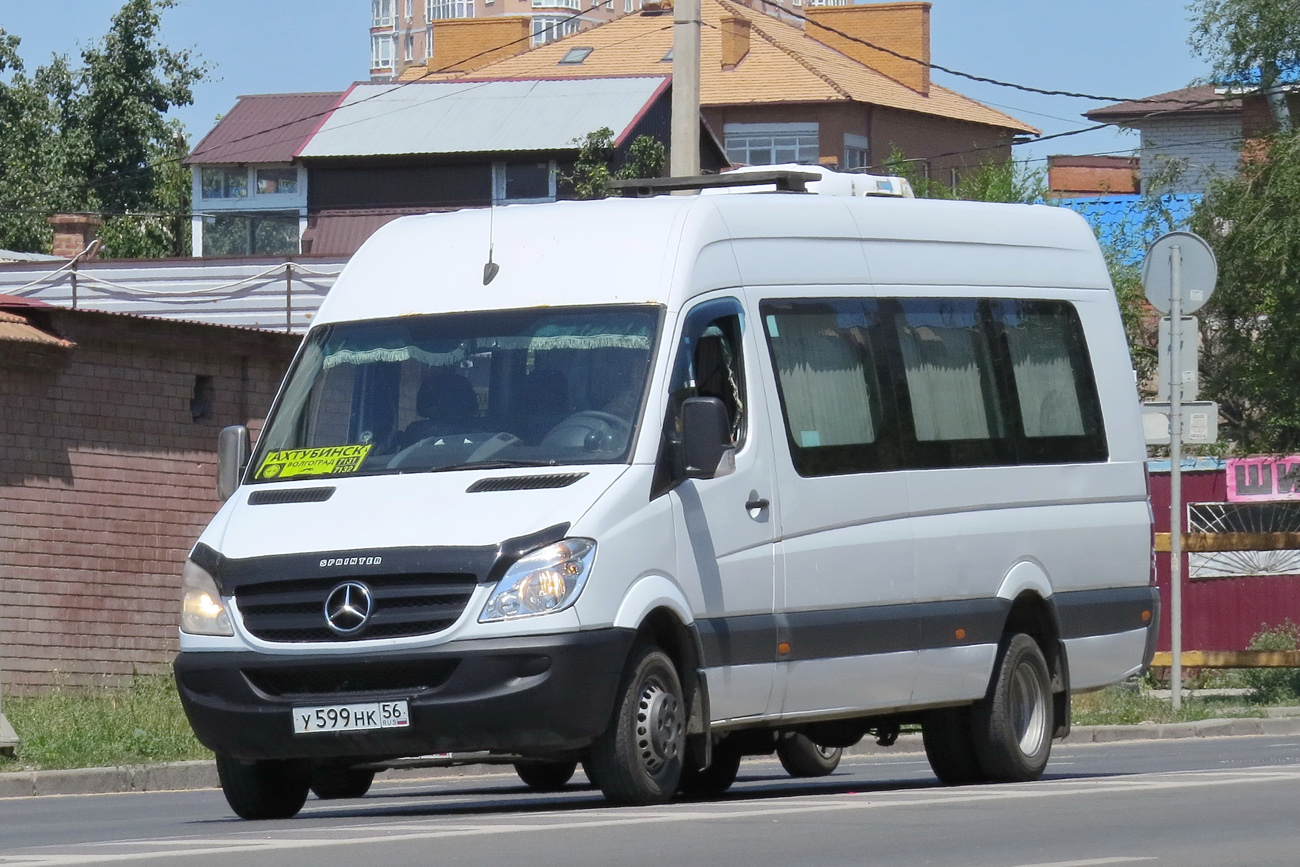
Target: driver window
column 709, row 364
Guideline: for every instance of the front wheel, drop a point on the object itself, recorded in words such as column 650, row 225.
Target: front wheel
column 638, row 758
column 1012, row 726
column 802, row 758
column 265, row 789
column 545, row 776
column 716, row 778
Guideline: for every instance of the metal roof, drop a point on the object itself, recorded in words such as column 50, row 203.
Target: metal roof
column 1190, row 100
column 15, row 256
column 481, row 116
column 266, row 128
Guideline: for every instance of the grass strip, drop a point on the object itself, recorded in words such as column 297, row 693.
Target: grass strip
column 70, row 727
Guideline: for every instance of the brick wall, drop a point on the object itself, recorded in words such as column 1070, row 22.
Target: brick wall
column 106, row 480
column 903, row 28
column 461, row 45
column 1210, row 146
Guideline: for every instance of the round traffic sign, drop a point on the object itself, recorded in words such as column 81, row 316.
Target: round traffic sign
column 1199, row 272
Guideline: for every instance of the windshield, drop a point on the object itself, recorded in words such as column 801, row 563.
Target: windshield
column 540, row 387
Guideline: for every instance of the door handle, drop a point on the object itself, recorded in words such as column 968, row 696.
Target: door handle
column 757, row 503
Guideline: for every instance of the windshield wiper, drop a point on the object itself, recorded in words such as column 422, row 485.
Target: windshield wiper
column 492, row 465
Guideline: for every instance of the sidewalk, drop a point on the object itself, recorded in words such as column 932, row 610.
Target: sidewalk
column 175, row 776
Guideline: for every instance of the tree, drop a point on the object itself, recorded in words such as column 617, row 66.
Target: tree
column 1004, row 180
column 1248, row 41
column 1251, row 326
column 592, row 170
column 97, row 139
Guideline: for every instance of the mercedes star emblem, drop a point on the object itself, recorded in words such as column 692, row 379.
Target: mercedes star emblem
column 348, row 607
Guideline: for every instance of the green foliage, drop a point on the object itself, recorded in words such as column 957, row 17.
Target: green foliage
column 991, row 181
column 1250, row 325
column 102, row 726
column 1238, row 36
column 593, row 169
column 96, row 139
column 1274, row 685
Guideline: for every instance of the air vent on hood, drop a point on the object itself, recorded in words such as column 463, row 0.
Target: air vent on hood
column 290, row 495
column 525, row 483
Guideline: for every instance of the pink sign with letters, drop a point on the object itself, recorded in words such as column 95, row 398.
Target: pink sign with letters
column 1267, row 477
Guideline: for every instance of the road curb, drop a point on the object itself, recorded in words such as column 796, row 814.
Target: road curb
column 176, row 776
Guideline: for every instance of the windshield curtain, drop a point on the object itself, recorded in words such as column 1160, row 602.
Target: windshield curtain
column 542, row 387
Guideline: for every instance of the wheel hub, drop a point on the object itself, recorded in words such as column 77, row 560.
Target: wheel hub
column 658, row 727
column 1028, row 710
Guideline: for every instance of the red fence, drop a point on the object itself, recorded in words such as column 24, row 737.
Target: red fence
column 1218, row 613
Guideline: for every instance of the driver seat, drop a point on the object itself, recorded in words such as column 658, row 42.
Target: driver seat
column 446, row 403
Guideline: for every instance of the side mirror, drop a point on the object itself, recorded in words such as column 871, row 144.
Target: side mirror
column 707, row 450
column 232, row 458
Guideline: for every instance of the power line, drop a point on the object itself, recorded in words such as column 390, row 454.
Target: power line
column 957, row 72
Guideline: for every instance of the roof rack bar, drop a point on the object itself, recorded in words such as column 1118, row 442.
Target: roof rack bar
column 785, row 181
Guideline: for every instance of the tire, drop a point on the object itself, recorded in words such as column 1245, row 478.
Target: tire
column 713, row 780
column 1012, row 726
column 950, row 747
column 265, row 789
column 802, row 758
column 330, row 784
column 638, row 758
column 546, row 776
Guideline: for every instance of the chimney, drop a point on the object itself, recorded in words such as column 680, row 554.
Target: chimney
column 467, row 44
column 735, row 42
column 900, row 27
column 73, row 233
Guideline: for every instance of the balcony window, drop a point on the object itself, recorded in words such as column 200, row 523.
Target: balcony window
column 277, row 182
column 548, row 28
column 269, row 233
column 381, row 13
column 441, row 10
column 225, row 183
column 381, row 51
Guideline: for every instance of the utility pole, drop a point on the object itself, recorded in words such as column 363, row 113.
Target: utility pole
column 684, row 160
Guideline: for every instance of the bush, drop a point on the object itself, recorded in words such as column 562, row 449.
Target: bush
column 1274, row 685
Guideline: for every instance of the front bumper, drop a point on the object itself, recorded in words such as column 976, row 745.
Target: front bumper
column 535, row 695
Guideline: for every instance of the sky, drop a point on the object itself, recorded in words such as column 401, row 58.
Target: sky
column 1113, row 48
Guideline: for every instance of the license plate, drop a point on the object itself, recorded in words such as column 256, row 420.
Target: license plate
column 351, row 717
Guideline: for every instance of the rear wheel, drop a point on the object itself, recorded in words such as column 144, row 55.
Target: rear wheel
column 716, row 778
column 638, row 758
column 545, row 776
column 264, row 789
column 802, row 758
column 950, row 747
column 1013, row 724
column 331, row 784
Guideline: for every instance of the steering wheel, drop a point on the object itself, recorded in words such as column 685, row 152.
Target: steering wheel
column 592, row 420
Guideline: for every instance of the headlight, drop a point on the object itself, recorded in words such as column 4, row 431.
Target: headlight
column 201, row 610
column 549, row 579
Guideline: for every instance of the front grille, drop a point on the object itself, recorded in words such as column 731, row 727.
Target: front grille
column 404, row 605
column 351, row 678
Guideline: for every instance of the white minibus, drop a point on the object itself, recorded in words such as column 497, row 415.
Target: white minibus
column 653, row 484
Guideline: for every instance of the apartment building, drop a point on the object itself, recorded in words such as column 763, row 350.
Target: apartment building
column 401, row 31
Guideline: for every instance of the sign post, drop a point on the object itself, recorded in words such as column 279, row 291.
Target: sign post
column 1178, row 277
column 8, row 737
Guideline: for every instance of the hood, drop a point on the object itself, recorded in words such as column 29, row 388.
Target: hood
column 409, row 510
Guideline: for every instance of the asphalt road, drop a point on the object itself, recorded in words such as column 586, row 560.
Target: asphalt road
column 1192, row 803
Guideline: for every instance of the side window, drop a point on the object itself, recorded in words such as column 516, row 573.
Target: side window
column 708, row 362
column 1052, row 379
column 833, row 401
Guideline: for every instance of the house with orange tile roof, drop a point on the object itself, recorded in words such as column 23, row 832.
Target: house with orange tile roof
column 842, row 86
